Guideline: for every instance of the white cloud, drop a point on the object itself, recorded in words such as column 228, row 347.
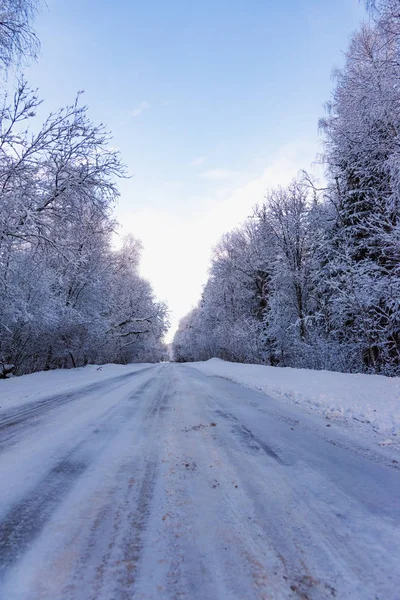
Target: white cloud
column 144, row 105
column 218, row 174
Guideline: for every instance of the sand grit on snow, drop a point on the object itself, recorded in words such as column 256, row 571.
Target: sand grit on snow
column 371, row 401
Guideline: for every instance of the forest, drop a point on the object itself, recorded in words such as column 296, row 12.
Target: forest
column 312, row 278
column 68, row 297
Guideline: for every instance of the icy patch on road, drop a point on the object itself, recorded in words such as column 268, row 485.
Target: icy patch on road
column 31, row 388
column 367, row 402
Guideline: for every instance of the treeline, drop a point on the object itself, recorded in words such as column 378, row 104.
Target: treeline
column 312, row 279
column 67, row 298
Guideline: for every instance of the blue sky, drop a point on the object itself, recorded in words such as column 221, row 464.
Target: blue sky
column 210, row 103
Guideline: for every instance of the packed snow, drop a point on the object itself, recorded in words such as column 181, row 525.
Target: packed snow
column 372, row 402
column 17, row 391
column 161, row 482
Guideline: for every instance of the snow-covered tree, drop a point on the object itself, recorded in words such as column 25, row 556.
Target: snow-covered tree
column 17, row 38
column 330, row 258
column 66, row 297
column 362, row 152
column 256, row 303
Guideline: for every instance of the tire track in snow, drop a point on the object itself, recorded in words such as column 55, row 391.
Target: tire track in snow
column 13, row 421
column 207, row 547
column 300, row 511
column 139, row 516
column 122, row 522
column 250, row 441
column 187, row 503
column 25, row 520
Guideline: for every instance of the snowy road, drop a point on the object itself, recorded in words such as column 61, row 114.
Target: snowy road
column 166, row 483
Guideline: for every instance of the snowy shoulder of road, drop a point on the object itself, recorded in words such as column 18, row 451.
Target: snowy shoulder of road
column 367, row 402
column 31, row 388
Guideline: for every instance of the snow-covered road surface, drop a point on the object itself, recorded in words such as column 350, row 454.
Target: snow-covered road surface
column 166, row 483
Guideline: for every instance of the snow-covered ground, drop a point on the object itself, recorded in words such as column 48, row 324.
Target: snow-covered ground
column 30, row 388
column 367, row 402
column 163, row 482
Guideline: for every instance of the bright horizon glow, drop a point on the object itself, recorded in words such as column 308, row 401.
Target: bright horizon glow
column 188, row 242
column 210, row 104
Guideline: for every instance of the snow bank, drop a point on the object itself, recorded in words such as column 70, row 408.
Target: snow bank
column 370, row 400
column 30, row 388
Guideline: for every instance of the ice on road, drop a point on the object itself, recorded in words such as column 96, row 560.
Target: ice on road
column 168, row 483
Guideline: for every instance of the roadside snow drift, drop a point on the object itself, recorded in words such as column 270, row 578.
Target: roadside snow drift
column 370, row 400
